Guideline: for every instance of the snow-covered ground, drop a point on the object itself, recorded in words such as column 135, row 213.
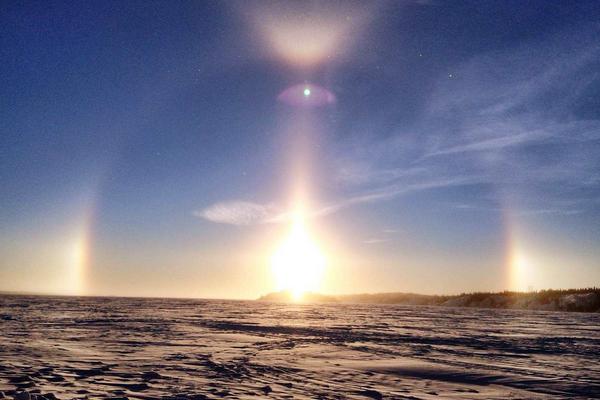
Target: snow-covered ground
column 154, row 348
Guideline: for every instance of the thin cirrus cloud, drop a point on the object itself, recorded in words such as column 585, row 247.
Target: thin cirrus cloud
column 375, row 240
column 244, row 213
column 515, row 119
column 237, row 213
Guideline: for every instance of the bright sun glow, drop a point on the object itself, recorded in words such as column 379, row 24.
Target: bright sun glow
column 298, row 263
column 522, row 272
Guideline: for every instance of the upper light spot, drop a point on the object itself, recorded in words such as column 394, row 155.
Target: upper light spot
column 306, row 95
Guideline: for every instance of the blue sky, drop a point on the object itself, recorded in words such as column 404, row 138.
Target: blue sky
column 145, row 149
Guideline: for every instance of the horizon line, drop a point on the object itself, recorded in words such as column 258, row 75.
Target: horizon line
column 51, row 294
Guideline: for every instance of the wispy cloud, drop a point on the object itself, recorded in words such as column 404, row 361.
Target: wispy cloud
column 492, row 144
column 387, row 235
column 391, row 191
column 238, row 212
column 241, row 213
column 375, row 240
column 515, row 119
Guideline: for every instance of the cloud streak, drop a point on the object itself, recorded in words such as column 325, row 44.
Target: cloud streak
column 244, row 213
column 515, row 119
column 240, row 213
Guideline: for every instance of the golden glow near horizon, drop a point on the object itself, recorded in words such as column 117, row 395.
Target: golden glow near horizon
column 298, row 264
column 521, row 271
column 76, row 263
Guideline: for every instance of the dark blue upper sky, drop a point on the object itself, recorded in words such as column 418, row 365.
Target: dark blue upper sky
column 143, row 144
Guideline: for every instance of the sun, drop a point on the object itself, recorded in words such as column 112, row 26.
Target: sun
column 298, row 263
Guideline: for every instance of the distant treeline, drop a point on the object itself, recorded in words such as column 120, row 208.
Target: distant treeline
column 580, row 300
